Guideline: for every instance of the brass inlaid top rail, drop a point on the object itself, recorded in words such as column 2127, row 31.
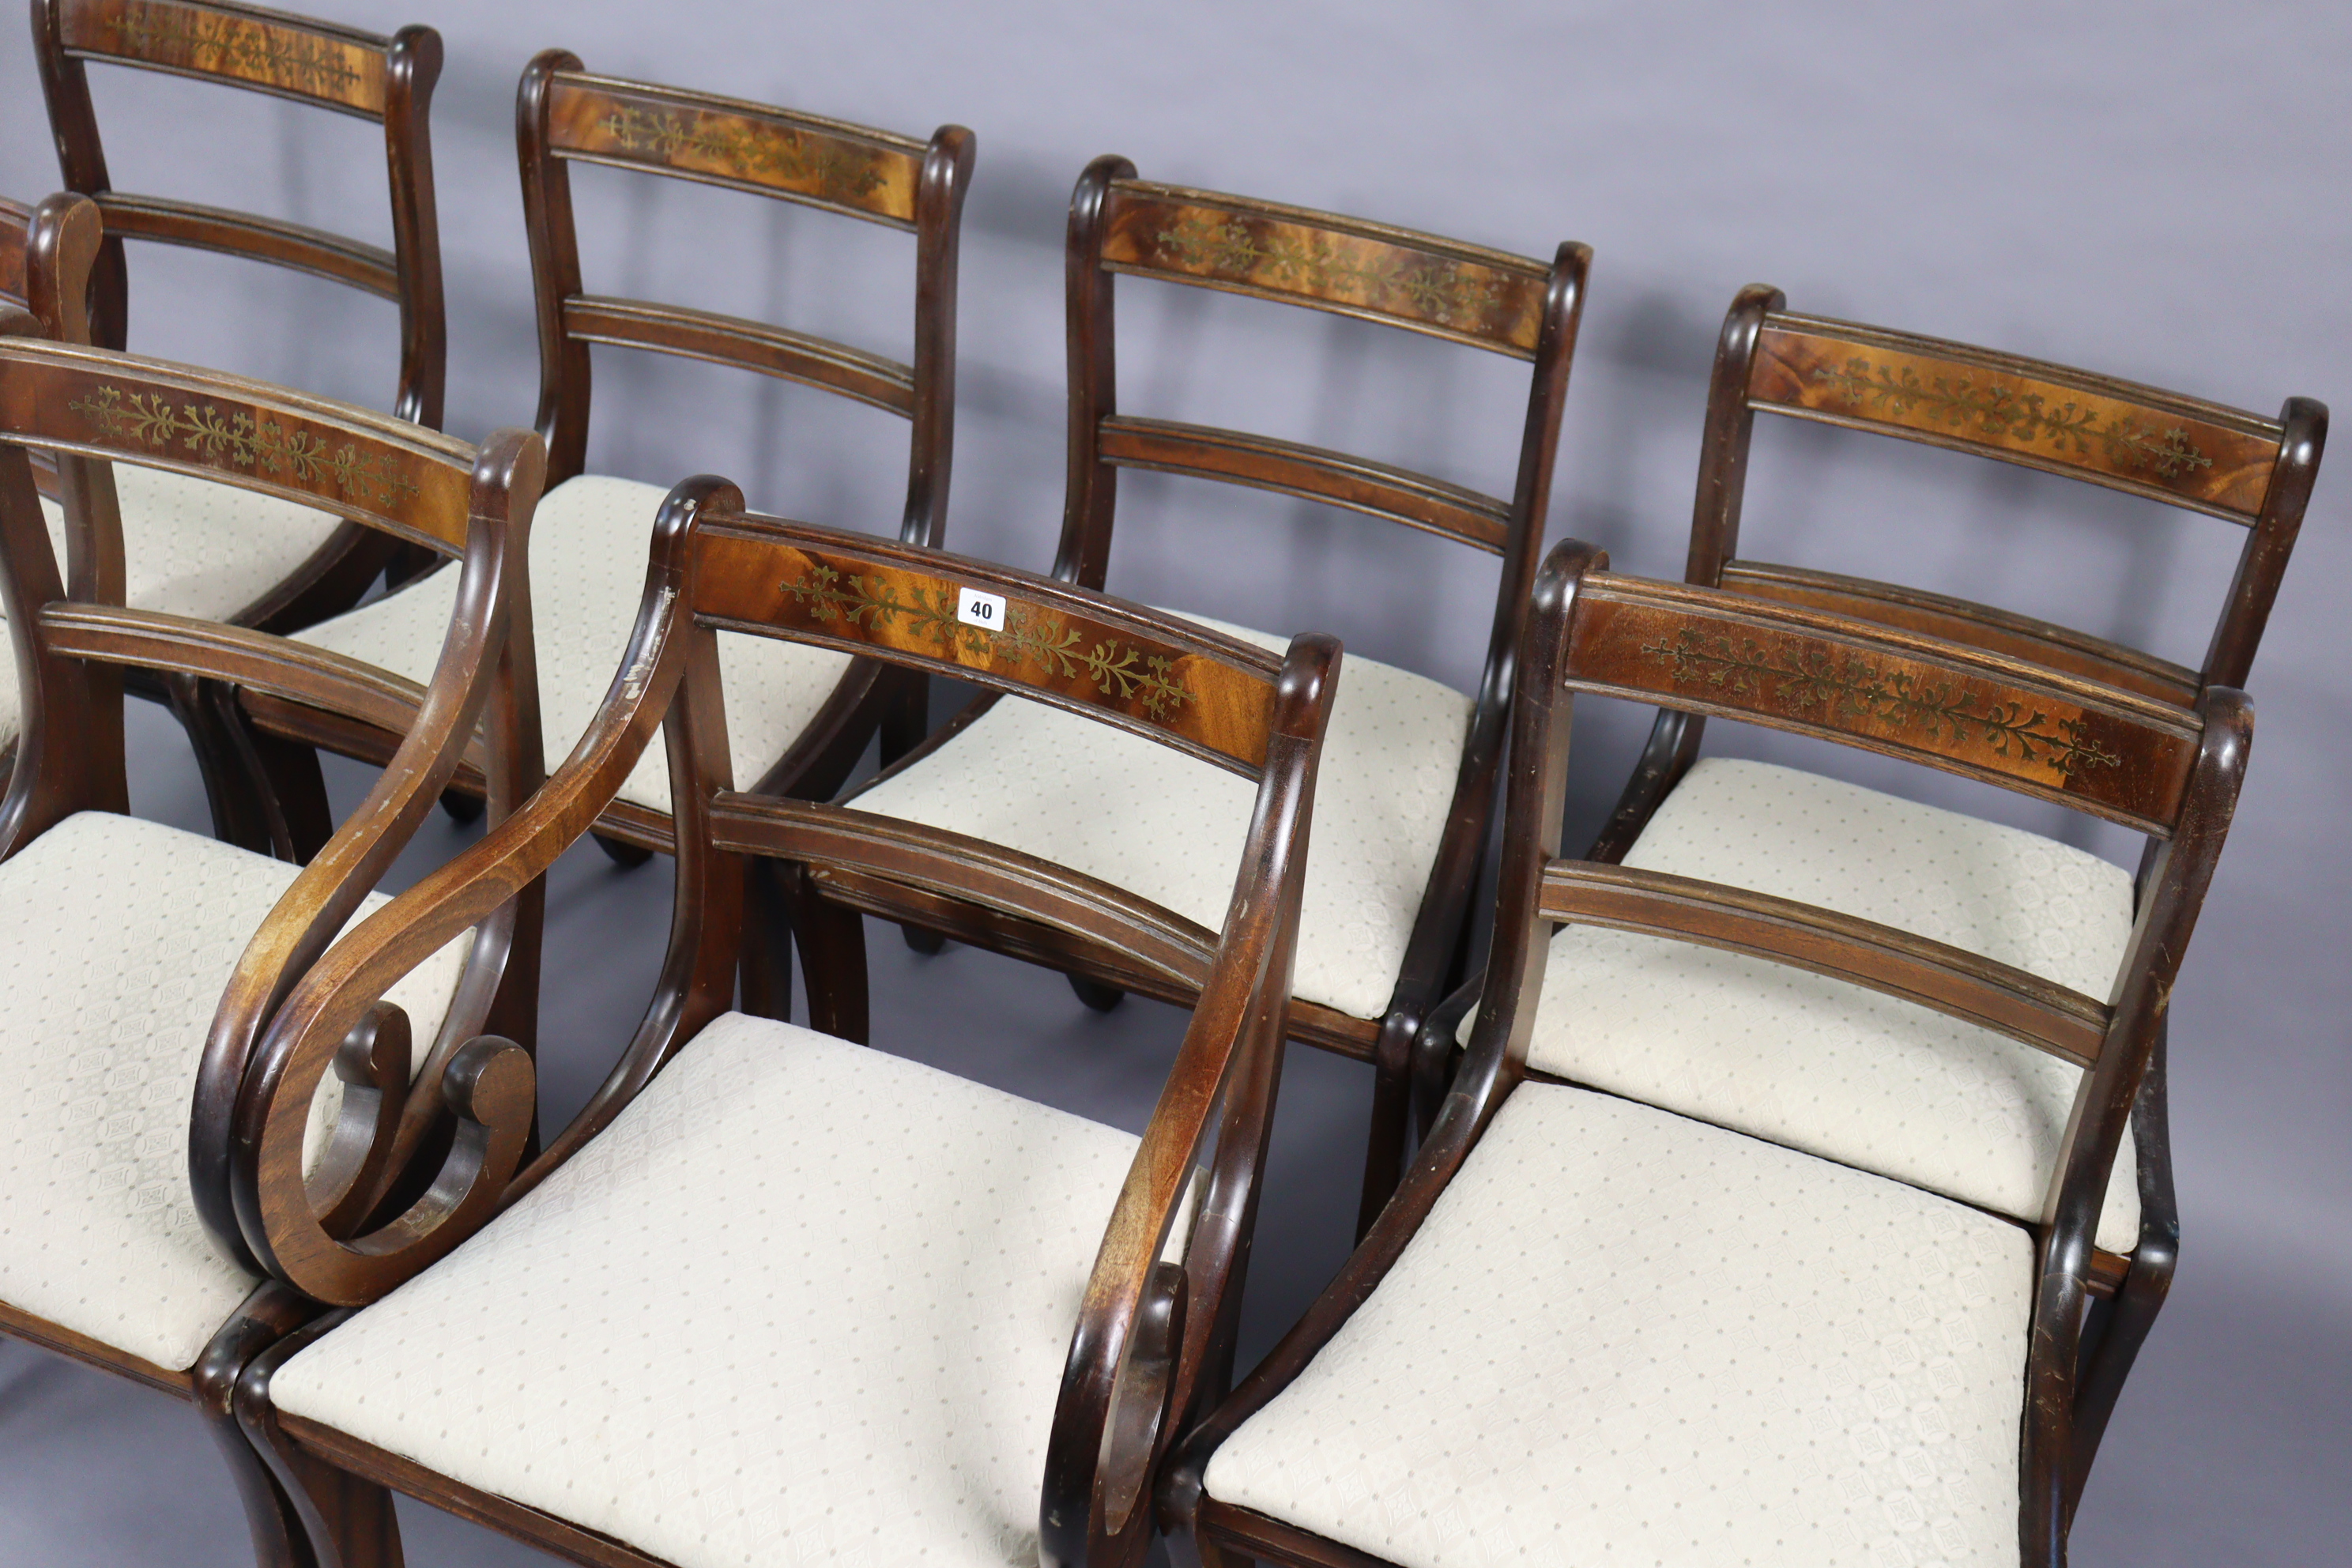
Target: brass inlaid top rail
column 1950, row 980
column 749, row 146
column 2111, row 433
column 1485, row 299
column 292, row 56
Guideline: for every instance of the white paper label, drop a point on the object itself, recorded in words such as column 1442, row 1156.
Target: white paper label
column 974, row 608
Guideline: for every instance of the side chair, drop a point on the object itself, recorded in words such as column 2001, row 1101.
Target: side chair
column 262, row 560
column 802, row 715
column 1409, row 790
column 1592, row 1327
column 141, row 963
column 774, row 1296
column 1951, row 1109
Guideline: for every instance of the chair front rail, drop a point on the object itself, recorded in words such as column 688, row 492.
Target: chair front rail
column 1950, row 980
column 368, row 267
column 1312, row 473
column 869, row 378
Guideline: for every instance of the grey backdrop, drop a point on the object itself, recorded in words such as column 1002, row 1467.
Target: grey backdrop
column 2154, row 189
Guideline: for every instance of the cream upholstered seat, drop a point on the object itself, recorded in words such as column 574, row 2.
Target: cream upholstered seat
column 1143, row 817
column 1664, row 1343
column 117, row 938
column 1819, row 1065
column 587, row 574
column 864, row 1274
column 191, row 546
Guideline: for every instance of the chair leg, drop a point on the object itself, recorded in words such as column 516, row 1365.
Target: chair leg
column 234, row 788
column 764, row 972
column 1384, row 1149
column 346, row 1522
column 279, row 1539
column 628, row 857
column 928, row 942
column 832, row 938
column 462, row 807
column 1096, row 994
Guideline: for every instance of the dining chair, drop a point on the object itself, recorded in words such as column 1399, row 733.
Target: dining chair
column 1793, row 832
column 802, row 715
column 142, row 962
column 773, row 1295
column 1599, row 1326
column 1408, row 792
column 263, row 561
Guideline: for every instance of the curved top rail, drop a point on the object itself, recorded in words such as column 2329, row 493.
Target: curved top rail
column 298, row 58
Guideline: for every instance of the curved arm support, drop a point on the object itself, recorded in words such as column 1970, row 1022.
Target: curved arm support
column 480, row 653
column 2178, row 877
column 486, row 1082
column 1143, row 1337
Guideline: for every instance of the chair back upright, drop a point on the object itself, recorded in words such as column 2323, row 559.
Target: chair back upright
column 565, row 115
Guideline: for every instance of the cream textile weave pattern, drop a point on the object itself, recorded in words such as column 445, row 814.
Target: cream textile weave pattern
column 1623, row 1337
column 801, row 1301
column 1152, row 820
column 191, row 546
column 589, row 543
column 1822, row 1066
column 117, row 938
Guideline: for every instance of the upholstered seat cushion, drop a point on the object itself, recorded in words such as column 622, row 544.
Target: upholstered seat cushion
column 1829, row 1068
column 1144, row 817
column 1625, row 1337
column 802, row 1301
column 191, row 546
column 117, row 938
column 589, row 541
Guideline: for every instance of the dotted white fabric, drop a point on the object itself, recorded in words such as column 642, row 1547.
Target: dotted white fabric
column 589, row 540
column 117, row 938
column 801, row 1301
column 191, row 546
column 1814, row 1063
column 1623, row 1337
column 1143, row 816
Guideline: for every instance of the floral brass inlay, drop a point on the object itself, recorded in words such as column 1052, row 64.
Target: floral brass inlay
column 1223, row 244
column 247, row 441
column 245, row 48
column 1852, row 688
column 1028, row 636
column 1999, row 411
column 755, row 155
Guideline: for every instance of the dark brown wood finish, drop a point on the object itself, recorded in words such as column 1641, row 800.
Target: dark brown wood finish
column 1579, row 639
column 1484, row 299
column 2162, row 446
column 74, row 641
column 564, row 115
column 1152, row 1337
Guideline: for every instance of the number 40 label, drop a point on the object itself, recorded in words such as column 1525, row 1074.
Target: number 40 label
column 975, row 608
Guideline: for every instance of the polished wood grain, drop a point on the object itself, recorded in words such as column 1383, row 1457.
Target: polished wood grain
column 331, row 456
column 1210, row 693
column 2134, row 438
column 1713, row 652
column 872, row 379
column 1485, row 299
column 292, row 57
column 370, row 268
column 753, row 147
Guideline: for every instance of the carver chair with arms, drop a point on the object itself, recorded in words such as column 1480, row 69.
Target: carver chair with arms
column 1592, row 1327
column 1786, row 831
column 801, row 715
column 258, row 561
column 142, row 962
column 813, row 1301
column 1410, row 778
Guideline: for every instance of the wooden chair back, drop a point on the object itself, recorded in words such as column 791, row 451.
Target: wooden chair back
column 1464, row 294
column 2183, row 452
column 323, row 64
column 1151, row 1334
column 565, row 116
column 73, row 644
column 2173, row 773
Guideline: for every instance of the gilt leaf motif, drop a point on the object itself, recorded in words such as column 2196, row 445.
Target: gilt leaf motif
column 1312, row 265
column 1999, row 412
column 246, row 440
column 758, row 155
